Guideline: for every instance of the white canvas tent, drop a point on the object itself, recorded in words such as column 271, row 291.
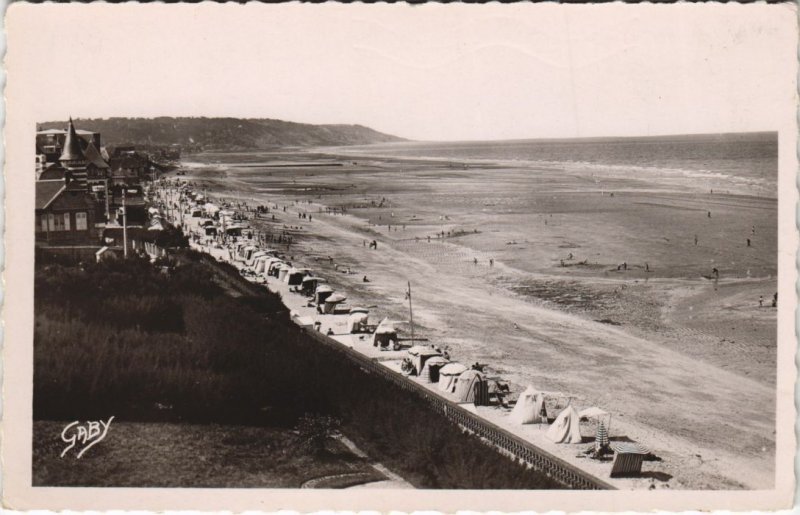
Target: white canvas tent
column 385, row 334
column 356, row 322
column 448, row 375
column 566, row 428
column 528, row 409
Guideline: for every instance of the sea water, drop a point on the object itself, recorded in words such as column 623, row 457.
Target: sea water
column 745, row 163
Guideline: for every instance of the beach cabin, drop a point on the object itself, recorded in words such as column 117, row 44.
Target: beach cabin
column 419, row 354
column 357, row 322
column 296, row 275
column 329, row 308
column 385, row 335
column 245, row 251
column 254, row 256
column 274, row 266
column 448, row 375
column 471, row 386
column 628, row 459
column 321, row 294
column 259, row 264
column 309, row 285
column 430, row 371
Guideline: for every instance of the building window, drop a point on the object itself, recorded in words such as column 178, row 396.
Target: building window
column 57, row 222
column 66, row 221
column 80, row 221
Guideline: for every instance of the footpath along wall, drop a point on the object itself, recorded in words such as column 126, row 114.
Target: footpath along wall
column 556, row 468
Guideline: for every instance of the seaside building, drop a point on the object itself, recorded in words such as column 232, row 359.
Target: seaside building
column 50, row 143
column 129, row 169
column 72, row 156
column 65, row 213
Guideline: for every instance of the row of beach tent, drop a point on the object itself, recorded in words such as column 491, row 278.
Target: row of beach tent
column 428, row 363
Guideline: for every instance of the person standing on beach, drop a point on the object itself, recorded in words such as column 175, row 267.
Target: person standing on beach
column 474, row 261
column 695, row 239
column 761, row 301
column 491, row 262
column 748, row 242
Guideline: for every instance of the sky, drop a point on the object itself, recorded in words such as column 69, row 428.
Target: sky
column 433, row 72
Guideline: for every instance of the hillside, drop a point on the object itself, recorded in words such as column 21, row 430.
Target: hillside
column 224, row 133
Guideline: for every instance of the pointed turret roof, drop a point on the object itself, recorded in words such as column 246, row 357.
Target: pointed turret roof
column 72, row 145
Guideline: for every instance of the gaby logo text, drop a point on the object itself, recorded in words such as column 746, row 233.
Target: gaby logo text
column 85, row 435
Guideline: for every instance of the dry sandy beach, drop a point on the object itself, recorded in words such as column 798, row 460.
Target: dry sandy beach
column 684, row 363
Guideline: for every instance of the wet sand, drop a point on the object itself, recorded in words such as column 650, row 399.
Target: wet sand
column 685, row 363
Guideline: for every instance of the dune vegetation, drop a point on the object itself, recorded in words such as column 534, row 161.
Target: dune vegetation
column 199, row 345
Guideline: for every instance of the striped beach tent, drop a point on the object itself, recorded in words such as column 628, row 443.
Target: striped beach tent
column 628, row 460
column 430, row 372
column 601, row 437
column 471, row 386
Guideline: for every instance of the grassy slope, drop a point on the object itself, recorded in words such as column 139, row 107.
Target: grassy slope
column 120, row 339
column 147, row 454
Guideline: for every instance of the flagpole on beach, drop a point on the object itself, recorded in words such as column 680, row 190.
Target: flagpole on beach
column 410, row 313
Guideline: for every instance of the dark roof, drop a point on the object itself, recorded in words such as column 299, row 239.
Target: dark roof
column 94, row 157
column 72, row 145
column 52, row 173
column 46, row 191
column 73, row 198
column 127, row 162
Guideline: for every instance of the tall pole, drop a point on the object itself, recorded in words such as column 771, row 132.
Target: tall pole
column 108, row 206
column 410, row 313
column 124, row 226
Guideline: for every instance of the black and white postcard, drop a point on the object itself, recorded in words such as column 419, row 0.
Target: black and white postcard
column 392, row 257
